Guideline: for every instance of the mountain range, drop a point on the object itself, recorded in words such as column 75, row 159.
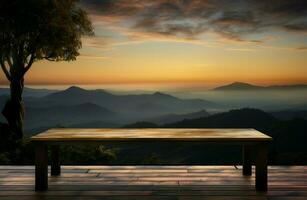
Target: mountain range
column 29, row 92
column 290, row 114
column 170, row 118
column 289, row 136
column 38, row 92
column 238, row 118
column 288, row 145
column 146, row 105
column 60, row 115
column 246, row 86
column 76, row 106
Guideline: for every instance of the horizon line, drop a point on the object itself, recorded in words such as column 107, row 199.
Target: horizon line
column 143, row 86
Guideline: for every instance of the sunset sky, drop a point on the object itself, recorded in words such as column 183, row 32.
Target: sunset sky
column 186, row 42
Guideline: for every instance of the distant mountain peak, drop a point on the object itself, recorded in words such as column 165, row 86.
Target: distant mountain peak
column 238, row 86
column 75, row 88
column 64, row 94
column 237, row 83
column 246, row 86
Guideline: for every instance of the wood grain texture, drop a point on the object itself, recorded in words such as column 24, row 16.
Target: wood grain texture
column 149, row 134
column 154, row 182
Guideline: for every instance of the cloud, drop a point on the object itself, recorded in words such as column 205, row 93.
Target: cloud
column 235, row 20
column 92, row 57
column 241, row 49
column 98, row 41
column 301, row 48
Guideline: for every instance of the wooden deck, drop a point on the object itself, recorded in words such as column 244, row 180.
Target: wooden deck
column 154, row 182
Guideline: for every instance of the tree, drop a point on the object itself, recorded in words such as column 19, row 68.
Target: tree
column 33, row 30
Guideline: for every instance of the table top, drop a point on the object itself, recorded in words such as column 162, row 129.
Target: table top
column 149, row 134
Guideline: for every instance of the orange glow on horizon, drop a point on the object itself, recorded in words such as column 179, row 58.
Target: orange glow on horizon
column 122, row 53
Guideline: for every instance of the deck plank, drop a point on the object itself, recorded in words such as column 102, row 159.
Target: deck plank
column 154, row 182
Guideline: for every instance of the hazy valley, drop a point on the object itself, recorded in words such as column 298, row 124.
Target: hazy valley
column 78, row 107
column 277, row 111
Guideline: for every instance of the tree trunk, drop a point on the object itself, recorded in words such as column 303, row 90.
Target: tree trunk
column 14, row 108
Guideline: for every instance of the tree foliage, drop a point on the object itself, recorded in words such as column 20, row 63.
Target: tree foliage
column 32, row 30
column 39, row 29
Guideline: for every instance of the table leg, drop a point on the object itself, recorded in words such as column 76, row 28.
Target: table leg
column 261, row 167
column 55, row 160
column 41, row 167
column 247, row 160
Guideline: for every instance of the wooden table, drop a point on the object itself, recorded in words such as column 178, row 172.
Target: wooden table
column 250, row 139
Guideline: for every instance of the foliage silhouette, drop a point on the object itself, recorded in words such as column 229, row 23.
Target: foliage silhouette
column 34, row 30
